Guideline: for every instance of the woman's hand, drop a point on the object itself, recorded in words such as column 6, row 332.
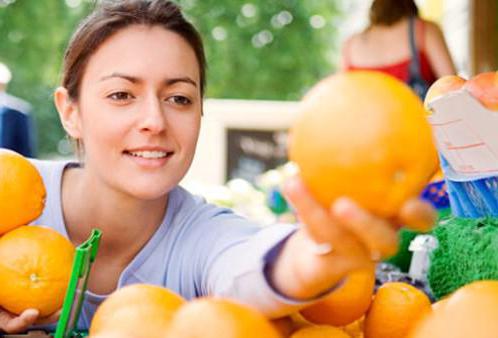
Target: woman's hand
column 11, row 323
column 332, row 243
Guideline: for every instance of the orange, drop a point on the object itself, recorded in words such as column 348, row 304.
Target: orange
column 299, row 322
column 320, row 331
column 116, row 334
column 22, row 193
column 35, row 266
column 363, row 134
column 444, row 85
column 484, row 87
column 285, row 326
column 355, row 329
column 345, row 305
column 471, row 311
column 219, row 318
column 439, row 304
column 139, row 310
column 395, row 309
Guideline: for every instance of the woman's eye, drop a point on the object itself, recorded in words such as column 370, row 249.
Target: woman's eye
column 179, row 100
column 120, row 96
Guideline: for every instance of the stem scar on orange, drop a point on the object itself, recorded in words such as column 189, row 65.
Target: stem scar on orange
column 35, row 266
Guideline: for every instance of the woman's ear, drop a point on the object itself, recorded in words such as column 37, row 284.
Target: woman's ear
column 68, row 112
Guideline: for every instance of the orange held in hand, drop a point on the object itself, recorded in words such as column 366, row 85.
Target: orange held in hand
column 363, row 135
column 22, row 193
column 484, row 87
column 395, row 310
column 35, row 266
column 345, row 305
column 138, row 310
column 215, row 318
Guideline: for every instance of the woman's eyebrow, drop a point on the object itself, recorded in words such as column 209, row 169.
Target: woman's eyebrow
column 130, row 78
column 134, row 79
column 185, row 79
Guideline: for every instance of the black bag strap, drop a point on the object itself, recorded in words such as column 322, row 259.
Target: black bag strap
column 415, row 71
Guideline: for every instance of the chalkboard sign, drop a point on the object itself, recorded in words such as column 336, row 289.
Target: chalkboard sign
column 252, row 152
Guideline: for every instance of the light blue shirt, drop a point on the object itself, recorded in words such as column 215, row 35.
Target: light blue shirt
column 199, row 249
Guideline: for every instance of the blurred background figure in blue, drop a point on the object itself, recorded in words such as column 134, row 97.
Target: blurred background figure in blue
column 17, row 130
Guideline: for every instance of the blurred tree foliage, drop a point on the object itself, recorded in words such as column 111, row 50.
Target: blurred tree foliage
column 259, row 49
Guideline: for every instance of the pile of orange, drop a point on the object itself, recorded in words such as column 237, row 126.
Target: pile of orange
column 363, row 134
column 142, row 310
column 136, row 310
column 320, row 331
column 345, row 305
column 35, row 261
column 395, row 310
column 471, row 311
column 398, row 310
column 215, row 318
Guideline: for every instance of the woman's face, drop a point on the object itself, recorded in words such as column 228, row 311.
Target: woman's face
column 139, row 111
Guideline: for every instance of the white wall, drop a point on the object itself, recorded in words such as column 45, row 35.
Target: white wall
column 209, row 162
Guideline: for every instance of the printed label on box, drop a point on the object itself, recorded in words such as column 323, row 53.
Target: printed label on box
column 466, row 133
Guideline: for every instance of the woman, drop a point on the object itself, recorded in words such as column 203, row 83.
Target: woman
column 385, row 45
column 131, row 97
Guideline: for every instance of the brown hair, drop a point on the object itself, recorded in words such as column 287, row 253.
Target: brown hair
column 388, row 12
column 111, row 16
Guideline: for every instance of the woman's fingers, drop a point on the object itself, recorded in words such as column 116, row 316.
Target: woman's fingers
column 417, row 215
column 347, row 219
column 54, row 317
column 377, row 234
column 13, row 324
column 317, row 219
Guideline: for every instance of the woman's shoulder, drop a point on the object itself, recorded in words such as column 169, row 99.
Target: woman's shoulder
column 191, row 203
column 194, row 209
column 353, row 38
column 428, row 23
column 50, row 170
column 48, row 166
column 433, row 35
column 430, row 28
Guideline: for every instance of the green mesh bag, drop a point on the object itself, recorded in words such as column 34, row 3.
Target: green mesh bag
column 403, row 257
column 467, row 251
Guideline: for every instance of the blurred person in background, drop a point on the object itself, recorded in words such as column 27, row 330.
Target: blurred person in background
column 400, row 43
column 16, row 124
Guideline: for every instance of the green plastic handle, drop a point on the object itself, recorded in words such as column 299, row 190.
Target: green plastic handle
column 75, row 294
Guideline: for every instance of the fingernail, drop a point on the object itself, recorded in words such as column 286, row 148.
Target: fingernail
column 30, row 313
column 375, row 256
column 344, row 206
column 291, row 185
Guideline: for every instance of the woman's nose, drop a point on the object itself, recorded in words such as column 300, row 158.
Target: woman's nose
column 152, row 117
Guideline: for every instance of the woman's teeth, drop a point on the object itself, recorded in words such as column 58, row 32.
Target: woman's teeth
column 148, row 154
